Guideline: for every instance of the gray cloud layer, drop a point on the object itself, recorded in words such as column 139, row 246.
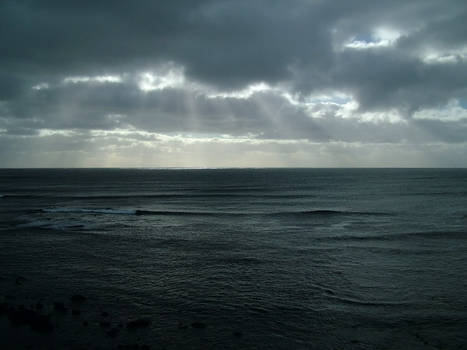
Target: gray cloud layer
column 402, row 58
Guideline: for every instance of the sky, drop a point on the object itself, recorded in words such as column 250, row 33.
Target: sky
column 240, row 83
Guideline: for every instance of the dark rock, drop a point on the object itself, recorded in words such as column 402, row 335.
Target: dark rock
column 134, row 347
column 20, row 280
column 36, row 321
column 3, row 308
column 78, row 298
column 198, row 325
column 85, row 323
column 104, row 314
column 238, row 334
column 113, row 332
column 104, row 324
column 75, row 312
column 355, row 341
column 60, row 307
column 182, row 325
column 42, row 324
column 138, row 323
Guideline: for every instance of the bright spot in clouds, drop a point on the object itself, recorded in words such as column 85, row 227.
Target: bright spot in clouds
column 94, row 79
column 243, row 93
column 381, row 37
column 159, row 80
column 457, row 55
column 453, row 111
column 41, row 86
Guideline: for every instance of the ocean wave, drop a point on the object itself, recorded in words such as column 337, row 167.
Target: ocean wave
column 114, row 211
column 441, row 193
column 400, row 236
column 91, row 211
column 137, row 212
column 21, row 196
column 165, row 196
column 353, row 301
column 54, row 225
column 330, row 212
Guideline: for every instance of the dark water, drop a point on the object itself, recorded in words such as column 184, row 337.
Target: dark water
column 283, row 259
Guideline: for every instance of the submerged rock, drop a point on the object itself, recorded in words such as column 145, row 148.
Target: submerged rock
column 104, row 324
column 78, row 298
column 182, row 325
column 20, row 280
column 138, row 323
column 36, row 321
column 134, row 347
column 60, row 307
column 198, row 325
column 3, row 307
column 113, row 332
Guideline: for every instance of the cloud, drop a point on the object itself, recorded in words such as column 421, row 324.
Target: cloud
column 308, row 71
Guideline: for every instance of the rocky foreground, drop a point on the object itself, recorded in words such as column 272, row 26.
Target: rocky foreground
column 75, row 323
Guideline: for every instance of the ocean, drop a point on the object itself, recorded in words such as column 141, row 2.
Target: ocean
column 234, row 258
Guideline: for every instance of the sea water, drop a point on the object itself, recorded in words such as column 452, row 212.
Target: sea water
column 260, row 258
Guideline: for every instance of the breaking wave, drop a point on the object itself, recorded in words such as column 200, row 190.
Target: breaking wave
column 111, row 211
column 400, row 236
column 329, row 213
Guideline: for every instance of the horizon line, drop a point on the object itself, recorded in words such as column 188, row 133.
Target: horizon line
column 228, row 168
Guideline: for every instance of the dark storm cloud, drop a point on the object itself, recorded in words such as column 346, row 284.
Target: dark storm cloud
column 227, row 45
column 383, row 79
